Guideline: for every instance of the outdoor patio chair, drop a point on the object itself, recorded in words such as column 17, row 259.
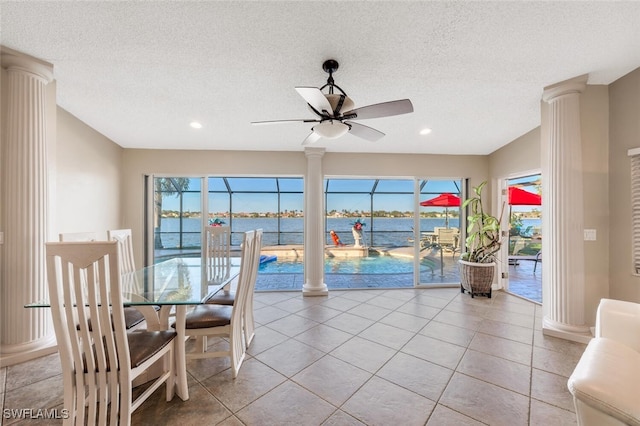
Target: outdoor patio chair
column 513, row 260
column 448, row 240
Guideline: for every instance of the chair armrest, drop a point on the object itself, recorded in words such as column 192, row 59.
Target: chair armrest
column 619, row 320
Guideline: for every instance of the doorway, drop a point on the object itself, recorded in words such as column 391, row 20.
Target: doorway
column 525, row 236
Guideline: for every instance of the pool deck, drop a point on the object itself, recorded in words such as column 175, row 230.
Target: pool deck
column 297, row 251
column 523, row 281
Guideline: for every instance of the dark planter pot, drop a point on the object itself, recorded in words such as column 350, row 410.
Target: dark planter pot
column 476, row 278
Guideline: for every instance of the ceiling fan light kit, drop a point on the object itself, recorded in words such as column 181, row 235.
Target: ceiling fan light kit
column 331, row 129
column 333, row 109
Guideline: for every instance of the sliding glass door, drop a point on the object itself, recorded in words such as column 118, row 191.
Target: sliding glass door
column 176, row 217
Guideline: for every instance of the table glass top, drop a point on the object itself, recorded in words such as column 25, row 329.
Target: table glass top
column 177, row 281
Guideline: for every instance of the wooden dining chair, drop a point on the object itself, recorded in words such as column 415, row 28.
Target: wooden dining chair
column 227, row 297
column 100, row 359
column 211, row 320
column 248, row 320
column 133, row 317
column 125, row 244
column 217, row 253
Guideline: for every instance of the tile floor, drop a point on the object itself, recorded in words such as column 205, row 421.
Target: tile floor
column 374, row 357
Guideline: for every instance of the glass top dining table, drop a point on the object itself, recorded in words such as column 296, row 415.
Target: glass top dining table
column 176, row 281
column 171, row 285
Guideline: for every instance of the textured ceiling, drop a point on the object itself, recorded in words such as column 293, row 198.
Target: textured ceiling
column 139, row 72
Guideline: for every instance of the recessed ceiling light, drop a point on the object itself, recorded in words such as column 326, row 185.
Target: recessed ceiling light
column 425, row 131
column 195, row 125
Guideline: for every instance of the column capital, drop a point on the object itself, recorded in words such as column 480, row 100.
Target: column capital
column 314, row 152
column 567, row 87
column 15, row 61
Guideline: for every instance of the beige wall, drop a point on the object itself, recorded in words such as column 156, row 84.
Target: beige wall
column 624, row 134
column 3, row 109
column 88, row 179
column 609, row 125
column 138, row 163
column 522, row 156
column 594, row 129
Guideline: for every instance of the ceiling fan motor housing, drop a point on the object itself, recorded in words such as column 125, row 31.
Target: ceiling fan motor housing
column 334, row 101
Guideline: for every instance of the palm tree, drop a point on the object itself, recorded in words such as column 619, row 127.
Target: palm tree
column 166, row 187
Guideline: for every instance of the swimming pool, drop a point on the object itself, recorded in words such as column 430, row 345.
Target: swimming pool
column 354, row 265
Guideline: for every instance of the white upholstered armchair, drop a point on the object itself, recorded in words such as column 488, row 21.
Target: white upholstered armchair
column 606, row 382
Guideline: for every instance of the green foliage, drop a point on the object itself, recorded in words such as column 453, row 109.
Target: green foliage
column 516, row 227
column 483, row 230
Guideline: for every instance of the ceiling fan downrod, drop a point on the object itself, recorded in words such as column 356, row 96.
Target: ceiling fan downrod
column 330, row 66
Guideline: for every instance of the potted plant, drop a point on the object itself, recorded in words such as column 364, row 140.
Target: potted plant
column 477, row 264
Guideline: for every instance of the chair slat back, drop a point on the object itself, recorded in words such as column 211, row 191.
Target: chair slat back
column 249, row 325
column 127, row 260
column 87, row 309
column 125, row 243
column 244, row 284
column 217, row 252
column 246, row 266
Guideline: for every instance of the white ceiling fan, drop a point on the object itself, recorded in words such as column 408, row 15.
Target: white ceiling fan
column 335, row 111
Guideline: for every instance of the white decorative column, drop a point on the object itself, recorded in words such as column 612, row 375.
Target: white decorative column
column 314, row 225
column 563, row 242
column 24, row 333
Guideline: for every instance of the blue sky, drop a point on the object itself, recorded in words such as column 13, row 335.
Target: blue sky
column 260, row 197
column 258, row 194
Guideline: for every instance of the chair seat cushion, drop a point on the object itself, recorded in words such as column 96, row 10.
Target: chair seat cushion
column 142, row 346
column 607, row 378
column 222, row 298
column 145, row 344
column 132, row 317
column 207, row 316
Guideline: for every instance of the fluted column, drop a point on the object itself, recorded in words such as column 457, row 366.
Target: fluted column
column 563, row 242
column 314, row 225
column 24, row 332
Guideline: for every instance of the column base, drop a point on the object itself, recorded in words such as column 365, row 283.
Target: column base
column 315, row 290
column 16, row 354
column 580, row 334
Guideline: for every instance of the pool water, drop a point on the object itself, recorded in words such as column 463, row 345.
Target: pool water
column 355, row 265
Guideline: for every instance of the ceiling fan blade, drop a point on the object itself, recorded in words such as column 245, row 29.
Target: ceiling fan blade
column 384, row 109
column 302, row 120
column 316, row 99
column 364, row 132
column 312, row 138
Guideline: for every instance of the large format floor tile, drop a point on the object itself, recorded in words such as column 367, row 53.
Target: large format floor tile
column 361, row 357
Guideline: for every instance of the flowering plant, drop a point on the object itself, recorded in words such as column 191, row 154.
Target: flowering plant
column 358, row 224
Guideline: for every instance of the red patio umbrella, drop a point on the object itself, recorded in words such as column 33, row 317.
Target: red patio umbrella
column 520, row 197
column 445, row 200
